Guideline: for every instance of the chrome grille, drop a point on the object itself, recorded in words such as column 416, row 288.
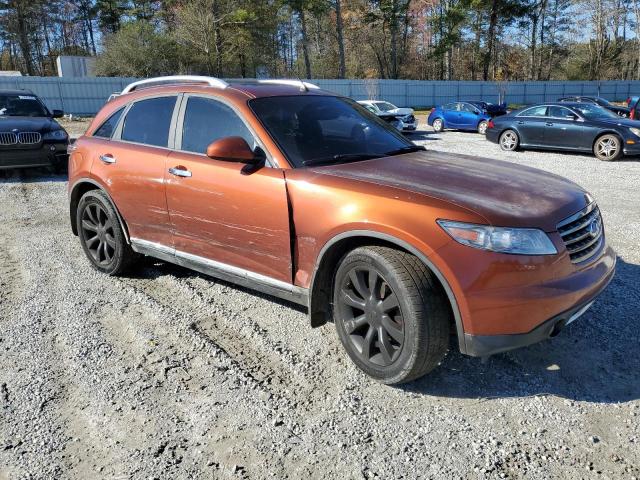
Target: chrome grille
column 8, row 138
column 582, row 233
column 29, row 138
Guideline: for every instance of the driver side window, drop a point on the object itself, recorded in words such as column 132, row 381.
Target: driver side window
column 207, row 120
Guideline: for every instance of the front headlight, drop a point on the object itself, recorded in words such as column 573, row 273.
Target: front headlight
column 635, row 131
column 55, row 135
column 521, row 241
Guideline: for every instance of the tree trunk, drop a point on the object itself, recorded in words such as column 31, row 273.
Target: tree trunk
column 491, row 33
column 342, row 69
column 305, row 44
column 23, row 38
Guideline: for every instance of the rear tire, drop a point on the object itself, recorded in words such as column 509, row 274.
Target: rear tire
column 438, row 125
column 390, row 313
column 509, row 141
column 101, row 234
column 608, row 147
column 482, row 127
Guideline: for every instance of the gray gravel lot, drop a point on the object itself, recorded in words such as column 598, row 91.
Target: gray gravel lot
column 170, row 374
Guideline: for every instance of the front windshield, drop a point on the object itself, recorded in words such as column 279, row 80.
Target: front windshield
column 21, row 105
column 602, row 102
column 314, row 129
column 589, row 111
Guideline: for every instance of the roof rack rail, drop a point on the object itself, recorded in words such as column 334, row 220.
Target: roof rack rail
column 150, row 82
column 293, row 83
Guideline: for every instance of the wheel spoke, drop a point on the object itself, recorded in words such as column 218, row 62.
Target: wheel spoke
column 393, row 329
column 366, row 343
column 373, row 282
column 351, row 325
column 358, row 283
column 91, row 241
column 91, row 215
column 87, row 225
column 350, row 299
column 110, row 241
column 389, row 303
column 385, row 345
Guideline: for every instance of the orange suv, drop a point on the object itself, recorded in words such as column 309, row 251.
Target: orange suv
column 305, row 195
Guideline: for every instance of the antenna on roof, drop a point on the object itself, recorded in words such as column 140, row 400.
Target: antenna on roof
column 303, row 86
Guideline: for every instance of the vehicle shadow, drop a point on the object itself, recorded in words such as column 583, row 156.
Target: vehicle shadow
column 595, row 359
column 420, row 135
column 31, row 175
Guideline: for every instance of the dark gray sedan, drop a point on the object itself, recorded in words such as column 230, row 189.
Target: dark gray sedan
column 580, row 127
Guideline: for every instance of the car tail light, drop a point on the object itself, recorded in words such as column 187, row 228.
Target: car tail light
column 632, row 115
column 628, row 101
column 490, row 124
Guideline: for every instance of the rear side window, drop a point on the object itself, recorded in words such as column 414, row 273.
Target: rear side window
column 148, row 121
column 207, row 120
column 109, row 125
column 450, row 106
column 534, row 112
column 560, row 112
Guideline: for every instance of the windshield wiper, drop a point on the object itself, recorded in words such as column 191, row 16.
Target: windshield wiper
column 409, row 149
column 342, row 157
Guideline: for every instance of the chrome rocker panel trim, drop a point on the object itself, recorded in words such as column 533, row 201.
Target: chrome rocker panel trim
column 223, row 271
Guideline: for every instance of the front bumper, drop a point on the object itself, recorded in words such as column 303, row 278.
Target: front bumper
column 409, row 127
column 486, row 345
column 46, row 154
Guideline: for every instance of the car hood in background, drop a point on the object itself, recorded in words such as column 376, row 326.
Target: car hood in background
column 401, row 111
column 506, row 194
column 27, row 124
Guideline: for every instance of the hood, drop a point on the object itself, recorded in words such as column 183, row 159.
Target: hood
column 401, row 111
column 624, row 122
column 27, row 124
column 505, row 194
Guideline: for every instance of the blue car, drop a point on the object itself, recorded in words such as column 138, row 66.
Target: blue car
column 459, row 116
column 578, row 127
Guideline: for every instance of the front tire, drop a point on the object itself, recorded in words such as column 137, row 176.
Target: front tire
column 482, row 127
column 438, row 125
column 390, row 314
column 101, row 235
column 509, row 141
column 608, row 148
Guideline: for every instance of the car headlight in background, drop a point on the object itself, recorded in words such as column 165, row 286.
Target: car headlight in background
column 521, row 241
column 635, row 131
column 55, row 135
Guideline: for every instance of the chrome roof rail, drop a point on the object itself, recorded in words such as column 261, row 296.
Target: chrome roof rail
column 293, row 83
column 158, row 81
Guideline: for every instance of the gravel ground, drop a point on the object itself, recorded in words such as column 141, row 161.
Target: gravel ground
column 169, row 374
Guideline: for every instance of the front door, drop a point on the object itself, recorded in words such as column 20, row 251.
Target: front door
column 468, row 117
column 220, row 210
column 531, row 124
column 130, row 158
column 563, row 129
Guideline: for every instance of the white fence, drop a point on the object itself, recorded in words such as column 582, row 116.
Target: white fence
column 85, row 96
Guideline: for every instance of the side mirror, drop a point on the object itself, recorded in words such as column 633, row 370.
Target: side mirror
column 234, row 149
column 57, row 114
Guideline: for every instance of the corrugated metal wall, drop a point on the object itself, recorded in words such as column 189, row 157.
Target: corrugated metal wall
column 85, row 96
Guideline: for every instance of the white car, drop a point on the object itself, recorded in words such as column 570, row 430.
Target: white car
column 407, row 121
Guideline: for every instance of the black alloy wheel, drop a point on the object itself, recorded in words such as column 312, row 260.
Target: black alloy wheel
column 98, row 235
column 371, row 316
column 101, row 234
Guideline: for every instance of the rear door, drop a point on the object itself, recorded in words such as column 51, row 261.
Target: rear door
column 130, row 161
column 223, row 211
column 531, row 124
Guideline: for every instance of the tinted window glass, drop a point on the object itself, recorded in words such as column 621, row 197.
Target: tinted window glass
column 312, row 129
column 450, row 106
column 559, row 112
column 594, row 111
column 534, row 112
column 148, row 121
column 107, row 128
column 465, row 107
column 207, row 120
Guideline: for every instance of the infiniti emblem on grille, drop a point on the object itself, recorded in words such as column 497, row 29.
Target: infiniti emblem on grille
column 594, row 228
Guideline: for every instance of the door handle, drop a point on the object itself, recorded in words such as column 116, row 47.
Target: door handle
column 520, row 122
column 179, row 171
column 107, row 159
column 549, row 124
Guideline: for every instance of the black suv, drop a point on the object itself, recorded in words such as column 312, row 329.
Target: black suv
column 29, row 135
